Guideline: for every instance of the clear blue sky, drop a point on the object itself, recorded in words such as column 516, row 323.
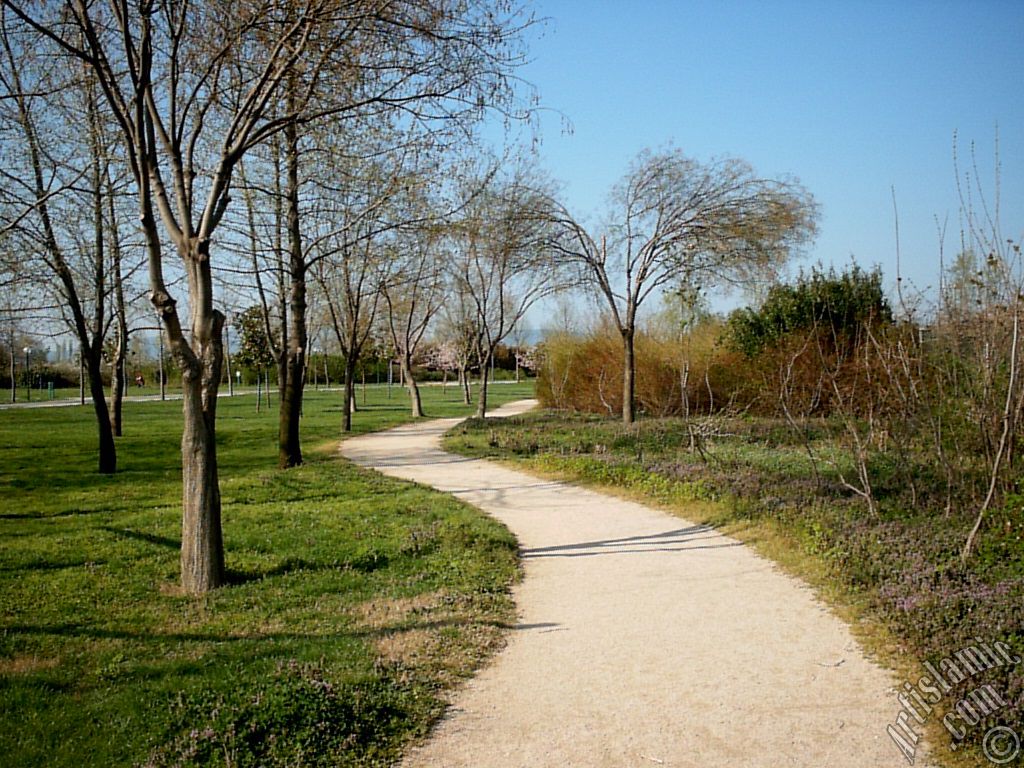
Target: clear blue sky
column 853, row 98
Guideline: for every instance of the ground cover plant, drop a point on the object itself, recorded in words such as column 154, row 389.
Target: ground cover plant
column 898, row 569
column 353, row 600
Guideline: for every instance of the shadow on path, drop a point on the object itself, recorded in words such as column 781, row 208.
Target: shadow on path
column 683, row 538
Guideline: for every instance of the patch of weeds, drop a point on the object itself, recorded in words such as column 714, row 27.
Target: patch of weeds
column 591, row 469
column 297, row 716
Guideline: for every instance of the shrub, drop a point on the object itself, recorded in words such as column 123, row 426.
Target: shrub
column 838, row 306
column 584, row 373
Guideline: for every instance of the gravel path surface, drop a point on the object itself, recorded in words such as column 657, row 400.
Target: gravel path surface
column 643, row 639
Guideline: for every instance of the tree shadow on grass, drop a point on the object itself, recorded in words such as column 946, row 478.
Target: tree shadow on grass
column 237, row 577
column 75, row 512
column 149, row 538
column 364, row 562
column 91, row 632
column 49, row 565
column 371, row 408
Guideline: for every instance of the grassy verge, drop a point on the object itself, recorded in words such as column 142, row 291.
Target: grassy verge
column 355, row 600
column 895, row 577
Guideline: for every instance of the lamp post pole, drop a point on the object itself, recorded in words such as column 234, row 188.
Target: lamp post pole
column 28, row 374
column 163, row 374
column 227, row 352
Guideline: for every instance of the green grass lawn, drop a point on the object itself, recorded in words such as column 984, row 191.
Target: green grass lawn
column 355, row 600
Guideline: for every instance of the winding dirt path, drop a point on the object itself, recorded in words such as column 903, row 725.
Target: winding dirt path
column 643, row 639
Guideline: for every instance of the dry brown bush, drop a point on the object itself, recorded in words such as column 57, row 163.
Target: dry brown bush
column 584, row 372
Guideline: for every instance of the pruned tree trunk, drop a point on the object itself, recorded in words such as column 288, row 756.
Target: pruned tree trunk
column 202, row 545
column 202, row 542
column 199, row 357
column 350, row 393
column 120, row 311
column 290, row 408
column 107, row 451
column 628, row 377
column 481, row 395
column 467, row 394
column 117, row 385
column 410, row 383
column 293, row 381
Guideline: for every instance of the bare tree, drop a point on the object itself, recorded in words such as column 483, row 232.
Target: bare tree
column 119, row 273
column 350, row 285
column 675, row 221
column 61, row 183
column 17, row 299
column 460, row 334
column 502, row 261
column 413, row 292
column 168, row 88
column 195, row 87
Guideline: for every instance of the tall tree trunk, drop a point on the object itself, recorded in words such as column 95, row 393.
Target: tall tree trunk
column 91, row 339
column 117, row 383
column 199, row 357
column 628, row 377
column 481, row 395
column 352, row 403
column 290, row 451
column 467, row 395
column 202, row 545
column 350, row 393
column 120, row 312
column 107, row 452
column 410, row 383
column 293, row 381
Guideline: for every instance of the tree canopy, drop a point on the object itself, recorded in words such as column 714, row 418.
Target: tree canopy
column 675, row 221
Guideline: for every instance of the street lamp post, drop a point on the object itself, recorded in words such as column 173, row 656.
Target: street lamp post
column 163, row 373
column 227, row 348
column 238, row 377
column 28, row 374
column 391, row 374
